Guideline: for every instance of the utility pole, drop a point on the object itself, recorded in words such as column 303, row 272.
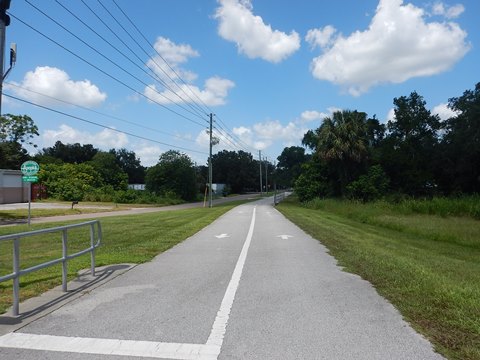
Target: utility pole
column 4, row 22
column 266, row 175
column 260, row 161
column 210, row 172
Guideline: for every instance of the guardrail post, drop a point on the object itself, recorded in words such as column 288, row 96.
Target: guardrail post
column 64, row 260
column 16, row 279
column 92, row 251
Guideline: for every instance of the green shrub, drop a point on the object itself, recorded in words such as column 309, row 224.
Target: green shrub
column 103, row 194
column 369, row 187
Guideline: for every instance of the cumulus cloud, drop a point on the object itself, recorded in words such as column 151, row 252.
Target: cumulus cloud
column 105, row 139
column 175, row 55
column 391, row 115
column 253, row 37
column 223, row 141
column 444, row 112
column 398, row 45
column 450, row 12
column 214, row 93
column 313, row 115
column 56, row 84
column 320, row 37
column 215, row 89
column 147, row 153
column 264, row 134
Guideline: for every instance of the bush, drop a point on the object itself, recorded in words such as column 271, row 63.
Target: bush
column 103, row 194
column 369, row 187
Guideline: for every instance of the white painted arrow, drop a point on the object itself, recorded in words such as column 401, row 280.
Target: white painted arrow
column 284, row 237
column 222, row 236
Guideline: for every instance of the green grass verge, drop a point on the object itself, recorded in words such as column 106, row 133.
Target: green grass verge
column 126, row 239
column 428, row 266
column 7, row 216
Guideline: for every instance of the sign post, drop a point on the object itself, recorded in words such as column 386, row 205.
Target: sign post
column 29, row 170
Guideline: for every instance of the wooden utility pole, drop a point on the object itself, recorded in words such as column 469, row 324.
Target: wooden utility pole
column 210, row 171
column 260, row 161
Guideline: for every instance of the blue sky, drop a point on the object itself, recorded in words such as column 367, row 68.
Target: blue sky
column 268, row 70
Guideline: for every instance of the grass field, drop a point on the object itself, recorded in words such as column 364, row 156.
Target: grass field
column 126, row 239
column 427, row 265
column 7, row 216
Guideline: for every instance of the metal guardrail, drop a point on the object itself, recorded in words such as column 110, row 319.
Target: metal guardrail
column 17, row 271
column 278, row 197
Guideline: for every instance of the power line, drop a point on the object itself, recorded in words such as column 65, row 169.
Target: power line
column 102, row 126
column 108, row 59
column 155, row 77
column 98, row 112
column 164, row 60
column 103, row 71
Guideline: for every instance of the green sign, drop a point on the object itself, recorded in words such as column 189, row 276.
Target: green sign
column 29, row 168
column 31, row 178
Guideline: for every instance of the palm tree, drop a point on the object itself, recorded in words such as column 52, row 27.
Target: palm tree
column 343, row 144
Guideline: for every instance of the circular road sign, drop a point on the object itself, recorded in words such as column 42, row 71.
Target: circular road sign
column 29, row 168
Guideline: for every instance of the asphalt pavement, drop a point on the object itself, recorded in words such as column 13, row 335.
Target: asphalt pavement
column 252, row 285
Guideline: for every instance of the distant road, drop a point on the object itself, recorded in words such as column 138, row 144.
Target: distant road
column 251, row 285
column 132, row 211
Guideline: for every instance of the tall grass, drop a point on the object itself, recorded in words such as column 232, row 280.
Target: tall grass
column 465, row 206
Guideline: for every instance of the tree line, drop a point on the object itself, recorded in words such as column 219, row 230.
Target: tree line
column 84, row 172
column 415, row 154
column 348, row 155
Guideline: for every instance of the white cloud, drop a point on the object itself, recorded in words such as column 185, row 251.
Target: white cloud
column 56, row 83
column 450, row 12
column 312, row 115
column 214, row 93
column 203, row 139
column 444, row 112
column 215, row 89
column 391, row 115
column 320, row 37
column 175, row 55
column 253, row 37
column 262, row 135
column 147, row 153
column 105, row 139
column 398, row 45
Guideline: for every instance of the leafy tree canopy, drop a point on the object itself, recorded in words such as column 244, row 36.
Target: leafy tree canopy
column 68, row 153
column 110, row 172
column 237, row 169
column 174, row 175
column 15, row 132
column 130, row 164
column 289, row 164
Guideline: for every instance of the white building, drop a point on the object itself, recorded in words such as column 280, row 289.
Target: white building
column 12, row 188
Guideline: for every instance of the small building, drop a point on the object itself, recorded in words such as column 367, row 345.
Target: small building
column 136, row 186
column 12, row 188
column 218, row 189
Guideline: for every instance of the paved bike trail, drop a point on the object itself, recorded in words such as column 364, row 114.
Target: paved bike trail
column 252, row 285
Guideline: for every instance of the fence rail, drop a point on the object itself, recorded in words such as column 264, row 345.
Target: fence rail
column 95, row 241
column 279, row 196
